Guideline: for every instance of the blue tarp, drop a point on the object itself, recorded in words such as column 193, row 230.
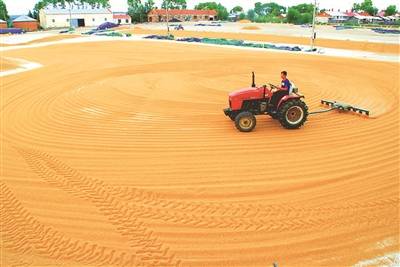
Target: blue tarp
column 387, row 31
column 339, row 27
column 190, row 40
column 159, row 37
column 107, row 25
column 11, row 30
column 211, row 25
column 218, row 41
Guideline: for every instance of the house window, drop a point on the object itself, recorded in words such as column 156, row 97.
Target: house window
column 105, row 19
column 119, row 21
column 67, row 20
column 93, row 19
column 194, row 17
column 127, row 20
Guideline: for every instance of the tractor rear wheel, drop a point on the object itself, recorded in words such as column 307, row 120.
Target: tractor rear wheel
column 245, row 121
column 293, row 114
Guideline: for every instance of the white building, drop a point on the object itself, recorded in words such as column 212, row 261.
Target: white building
column 364, row 17
column 80, row 17
column 322, row 17
column 122, row 18
column 337, row 16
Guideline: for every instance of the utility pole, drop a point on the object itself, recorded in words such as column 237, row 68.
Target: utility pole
column 167, row 17
column 313, row 33
column 70, row 17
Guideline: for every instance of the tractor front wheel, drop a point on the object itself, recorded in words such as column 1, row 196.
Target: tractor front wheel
column 245, row 121
column 293, row 114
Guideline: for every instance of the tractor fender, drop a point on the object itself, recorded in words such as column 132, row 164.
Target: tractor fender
column 288, row 97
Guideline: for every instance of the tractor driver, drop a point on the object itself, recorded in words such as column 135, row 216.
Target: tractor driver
column 280, row 92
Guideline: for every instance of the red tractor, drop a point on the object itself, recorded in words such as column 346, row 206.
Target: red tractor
column 246, row 103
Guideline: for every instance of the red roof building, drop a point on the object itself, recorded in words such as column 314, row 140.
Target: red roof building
column 160, row 15
column 350, row 14
column 26, row 23
column 322, row 17
column 364, row 14
column 3, row 24
column 122, row 18
column 381, row 13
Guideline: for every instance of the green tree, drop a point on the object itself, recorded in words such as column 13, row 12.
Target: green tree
column 135, row 10
column 390, row 10
column 237, row 9
column 268, row 9
column 174, row 4
column 251, row 15
column 3, row 11
column 30, row 14
column 274, row 9
column 300, row 14
column 138, row 10
column 366, row 6
column 293, row 15
column 149, row 5
column 304, row 8
column 221, row 10
column 38, row 6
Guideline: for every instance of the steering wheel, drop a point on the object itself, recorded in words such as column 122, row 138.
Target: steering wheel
column 273, row 86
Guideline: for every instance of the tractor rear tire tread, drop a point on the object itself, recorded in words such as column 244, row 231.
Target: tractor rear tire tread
column 285, row 107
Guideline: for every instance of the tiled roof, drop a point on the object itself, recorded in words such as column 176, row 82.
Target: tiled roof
column 175, row 12
column 323, row 14
column 336, row 14
column 381, row 13
column 121, row 16
column 23, row 18
column 65, row 11
column 365, row 14
column 350, row 14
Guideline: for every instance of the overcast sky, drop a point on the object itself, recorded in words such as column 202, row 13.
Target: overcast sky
column 17, row 7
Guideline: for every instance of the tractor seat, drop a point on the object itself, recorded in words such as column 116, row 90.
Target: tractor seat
column 293, row 89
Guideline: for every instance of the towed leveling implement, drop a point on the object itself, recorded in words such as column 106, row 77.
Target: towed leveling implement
column 289, row 109
column 343, row 107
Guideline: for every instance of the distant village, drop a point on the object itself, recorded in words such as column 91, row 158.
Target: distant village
column 53, row 17
column 335, row 17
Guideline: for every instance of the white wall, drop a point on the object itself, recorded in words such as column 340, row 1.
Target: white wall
column 62, row 21
column 122, row 21
column 322, row 19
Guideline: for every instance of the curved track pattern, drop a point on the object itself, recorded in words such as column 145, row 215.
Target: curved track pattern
column 128, row 161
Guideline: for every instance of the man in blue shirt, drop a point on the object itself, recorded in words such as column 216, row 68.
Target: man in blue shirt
column 280, row 92
column 285, row 84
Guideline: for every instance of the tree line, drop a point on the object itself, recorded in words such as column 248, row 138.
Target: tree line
column 262, row 12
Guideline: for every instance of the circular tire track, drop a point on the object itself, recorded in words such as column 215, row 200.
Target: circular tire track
column 142, row 138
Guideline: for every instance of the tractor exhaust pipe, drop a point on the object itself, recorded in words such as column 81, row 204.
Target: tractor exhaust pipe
column 253, row 80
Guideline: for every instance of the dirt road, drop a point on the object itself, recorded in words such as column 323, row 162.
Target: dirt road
column 118, row 153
